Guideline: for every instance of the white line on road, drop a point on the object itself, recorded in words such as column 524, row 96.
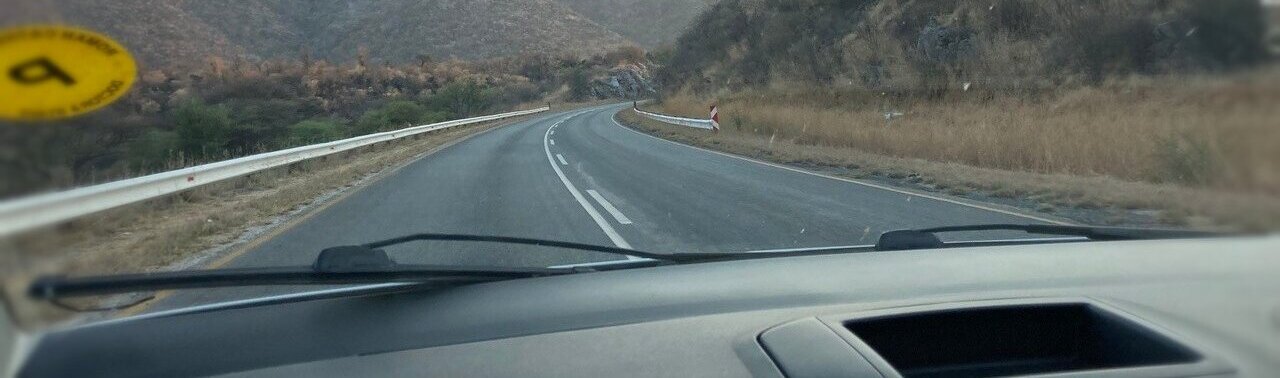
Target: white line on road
column 553, row 142
column 609, row 207
column 867, row 184
column 561, row 159
column 591, row 210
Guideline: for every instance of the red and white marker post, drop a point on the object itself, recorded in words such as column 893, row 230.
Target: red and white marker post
column 715, row 119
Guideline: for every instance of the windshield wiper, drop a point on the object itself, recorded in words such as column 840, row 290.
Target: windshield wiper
column 928, row 237
column 52, row 287
column 524, row 241
column 334, row 266
column 369, row 264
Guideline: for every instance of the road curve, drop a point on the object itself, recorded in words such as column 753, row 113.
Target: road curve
column 579, row 176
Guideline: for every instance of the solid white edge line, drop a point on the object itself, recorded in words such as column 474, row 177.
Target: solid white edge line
column 617, row 215
column 561, row 159
column 591, row 210
column 851, row 181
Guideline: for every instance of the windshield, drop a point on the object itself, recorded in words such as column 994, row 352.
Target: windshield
column 144, row 136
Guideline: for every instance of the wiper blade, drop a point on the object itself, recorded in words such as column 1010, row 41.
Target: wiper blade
column 522, row 241
column 368, row 264
column 335, row 266
column 927, row 237
column 1091, row 232
column 54, row 287
column 919, row 239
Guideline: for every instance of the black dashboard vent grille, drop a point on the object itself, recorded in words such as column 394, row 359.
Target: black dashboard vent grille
column 1015, row 340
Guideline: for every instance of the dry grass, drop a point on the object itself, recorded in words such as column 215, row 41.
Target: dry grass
column 1218, row 133
column 178, row 231
column 1094, row 148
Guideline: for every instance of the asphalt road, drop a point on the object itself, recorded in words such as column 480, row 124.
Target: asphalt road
column 579, row 176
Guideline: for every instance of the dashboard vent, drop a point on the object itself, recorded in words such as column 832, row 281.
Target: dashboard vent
column 1015, row 340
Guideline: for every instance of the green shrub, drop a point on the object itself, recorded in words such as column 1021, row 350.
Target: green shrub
column 259, row 124
column 579, row 84
column 203, row 131
column 513, row 94
column 395, row 115
column 460, row 99
column 152, row 149
column 371, row 122
column 402, row 114
column 314, row 131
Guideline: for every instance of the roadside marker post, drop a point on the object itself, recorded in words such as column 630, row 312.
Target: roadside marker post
column 715, row 119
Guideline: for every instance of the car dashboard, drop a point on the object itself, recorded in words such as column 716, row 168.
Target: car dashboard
column 1177, row 308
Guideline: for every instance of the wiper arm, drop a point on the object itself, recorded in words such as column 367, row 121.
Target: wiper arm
column 927, row 238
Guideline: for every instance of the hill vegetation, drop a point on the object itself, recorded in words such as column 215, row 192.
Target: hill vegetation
column 165, row 33
column 905, row 45
column 649, row 23
column 1177, row 93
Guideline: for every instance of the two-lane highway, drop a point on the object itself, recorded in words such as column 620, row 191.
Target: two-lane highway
column 579, row 176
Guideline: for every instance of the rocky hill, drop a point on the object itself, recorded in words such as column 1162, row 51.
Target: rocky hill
column 905, row 45
column 650, row 23
column 178, row 32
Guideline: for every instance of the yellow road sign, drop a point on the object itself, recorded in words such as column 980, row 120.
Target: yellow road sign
column 54, row 72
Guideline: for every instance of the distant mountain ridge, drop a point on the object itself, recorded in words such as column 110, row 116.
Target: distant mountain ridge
column 185, row 32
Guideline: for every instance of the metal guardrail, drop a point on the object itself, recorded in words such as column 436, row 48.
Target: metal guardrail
column 706, row 124
column 27, row 213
